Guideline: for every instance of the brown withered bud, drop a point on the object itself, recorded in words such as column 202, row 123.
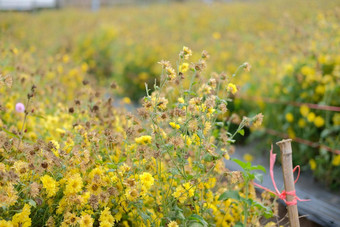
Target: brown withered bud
column 223, row 108
column 50, row 222
column 3, row 137
column 210, row 102
column 7, row 145
column 31, row 166
column 77, row 102
column 212, row 82
column 30, row 95
column 130, row 131
column 104, row 197
column 13, row 176
column 50, row 146
column 33, row 88
column 201, row 65
column 177, row 112
column 34, row 189
column 157, row 153
column 177, row 142
column 143, row 112
column 71, row 110
column 130, row 182
column 112, row 191
column 223, row 76
column 44, row 165
column 113, row 85
column 181, row 75
column 164, row 116
column 93, row 201
column 235, row 118
column 85, row 82
column 107, row 132
column 38, row 201
column 95, row 108
column 88, row 124
column 235, row 177
column 32, row 152
column 205, row 54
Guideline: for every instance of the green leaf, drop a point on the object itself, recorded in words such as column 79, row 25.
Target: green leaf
column 238, row 224
column 241, row 163
column 258, row 177
column 38, row 116
column 32, row 203
column 199, row 219
column 180, row 215
column 221, row 124
column 258, row 167
column 229, row 195
column 241, row 132
column 189, row 177
column 10, row 133
column 200, row 134
column 195, row 224
column 209, row 158
column 267, row 212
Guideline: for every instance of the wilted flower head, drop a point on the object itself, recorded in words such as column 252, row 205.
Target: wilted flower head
column 164, row 64
column 258, row 120
column 246, row 66
column 19, row 107
column 185, row 53
column 7, row 80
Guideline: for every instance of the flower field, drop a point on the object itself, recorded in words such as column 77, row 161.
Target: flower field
column 69, row 157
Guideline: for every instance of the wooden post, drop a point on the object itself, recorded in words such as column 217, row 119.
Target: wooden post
column 288, row 177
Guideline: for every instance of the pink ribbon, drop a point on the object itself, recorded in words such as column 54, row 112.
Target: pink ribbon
column 282, row 195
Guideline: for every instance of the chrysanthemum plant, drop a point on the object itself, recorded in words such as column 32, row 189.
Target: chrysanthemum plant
column 186, row 121
column 163, row 166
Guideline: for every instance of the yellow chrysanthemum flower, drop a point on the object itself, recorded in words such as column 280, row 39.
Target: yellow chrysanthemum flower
column 304, row 110
column 319, row 121
column 174, row 125
column 180, row 100
column 86, row 221
column 184, row 67
column 336, row 160
column 147, row 179
column 74, row 184
column 248, row 157
column 106, row 216
column 173, row 224
column 143, row 140
column 302, row 123
column 232, row 88
column 22, row 219
column 4, row 223
column 311, row 117
column 312, row 164
column 50, row 185
column 290, row 117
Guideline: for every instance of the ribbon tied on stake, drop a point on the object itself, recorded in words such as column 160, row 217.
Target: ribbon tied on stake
column 282, row 195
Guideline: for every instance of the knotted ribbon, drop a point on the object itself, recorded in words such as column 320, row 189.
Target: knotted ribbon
column 282, row 195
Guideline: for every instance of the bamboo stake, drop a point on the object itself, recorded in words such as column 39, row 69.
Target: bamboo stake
column 288, row 177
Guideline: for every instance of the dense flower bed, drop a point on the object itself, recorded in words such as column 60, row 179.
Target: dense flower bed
column 69, row 158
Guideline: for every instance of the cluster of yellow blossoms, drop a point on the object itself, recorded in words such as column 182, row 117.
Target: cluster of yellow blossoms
column 91, row 164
